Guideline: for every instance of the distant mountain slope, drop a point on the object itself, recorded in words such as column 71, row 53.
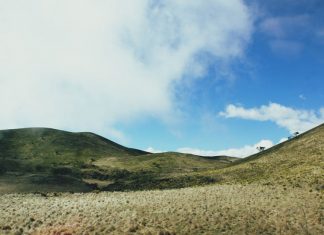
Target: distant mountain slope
column 298, row 162
column 53, row 145
column 166, row 162
column 34, row 159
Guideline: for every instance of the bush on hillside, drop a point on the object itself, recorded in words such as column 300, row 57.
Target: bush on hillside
column 61, row 171
column 9, row 165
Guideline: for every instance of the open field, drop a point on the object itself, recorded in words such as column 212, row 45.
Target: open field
column 222, row 209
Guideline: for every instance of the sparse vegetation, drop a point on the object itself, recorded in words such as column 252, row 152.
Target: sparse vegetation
column 277, row 191
column 298, row 162
column 220, row 209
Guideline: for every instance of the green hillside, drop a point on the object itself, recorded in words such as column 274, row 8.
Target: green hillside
column 297, row 162
column 42, row 159
column 39, row 159
column 39, row 146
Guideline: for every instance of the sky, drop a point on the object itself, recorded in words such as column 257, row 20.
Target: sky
column 213, row 77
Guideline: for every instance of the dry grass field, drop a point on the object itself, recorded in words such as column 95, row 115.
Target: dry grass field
column 221, row 209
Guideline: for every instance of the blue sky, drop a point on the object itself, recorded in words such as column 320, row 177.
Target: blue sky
column 206, row 77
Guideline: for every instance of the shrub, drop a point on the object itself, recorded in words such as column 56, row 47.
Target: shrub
column 9, row 165
column 61, row 171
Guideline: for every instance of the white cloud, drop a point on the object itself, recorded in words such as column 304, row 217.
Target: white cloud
column 320, row 34
column 286, row 47
column 284, row 33
column 302, row 97
column 282, row 140
column 245, row 151
column 292, row 119
column 153, row 150
column 322, row 112
column 198, row 152
column 88, row 64
column 284, row 26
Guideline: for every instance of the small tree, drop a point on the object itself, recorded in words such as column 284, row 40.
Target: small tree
column 261, row 148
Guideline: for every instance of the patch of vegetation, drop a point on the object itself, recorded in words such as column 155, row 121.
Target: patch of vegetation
column 297, row 162
column 96, row 163
column 39, row 155
column 218, row 209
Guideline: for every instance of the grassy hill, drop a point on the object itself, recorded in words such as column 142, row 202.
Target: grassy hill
column 297, row 162
column 42, row 159
column 42, row 147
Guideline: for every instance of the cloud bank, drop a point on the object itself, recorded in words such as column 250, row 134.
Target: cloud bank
column 245, row 151
column 291, row 119
column 85, row 65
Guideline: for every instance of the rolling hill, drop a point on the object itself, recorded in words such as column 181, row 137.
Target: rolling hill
column 43, row 159
column 297, row 162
